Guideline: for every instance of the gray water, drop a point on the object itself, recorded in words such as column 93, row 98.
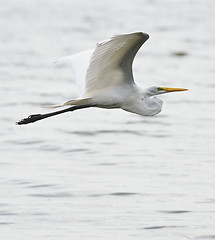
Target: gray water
column 107, row 174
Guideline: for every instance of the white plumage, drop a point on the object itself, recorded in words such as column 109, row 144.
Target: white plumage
column 105, row 78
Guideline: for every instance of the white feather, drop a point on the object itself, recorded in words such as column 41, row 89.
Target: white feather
column 79, row 63
column 105, row 78
column 111, row 62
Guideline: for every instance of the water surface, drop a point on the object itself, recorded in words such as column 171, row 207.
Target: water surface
column 107, row 174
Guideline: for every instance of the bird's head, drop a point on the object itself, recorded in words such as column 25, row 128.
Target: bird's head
column 160, row 90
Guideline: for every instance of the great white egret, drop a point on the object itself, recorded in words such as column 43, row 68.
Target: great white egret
column 105, row 77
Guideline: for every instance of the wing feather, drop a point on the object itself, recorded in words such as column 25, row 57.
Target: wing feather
column 111, row 62
column 80, row 63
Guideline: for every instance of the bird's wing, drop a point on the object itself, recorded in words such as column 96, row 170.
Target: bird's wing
column 111, row 62
column 79, row 63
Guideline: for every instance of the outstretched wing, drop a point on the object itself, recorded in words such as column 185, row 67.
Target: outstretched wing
column 111, row 62
column 80, row 63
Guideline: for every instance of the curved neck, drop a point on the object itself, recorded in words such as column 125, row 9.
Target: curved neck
column 153, row 104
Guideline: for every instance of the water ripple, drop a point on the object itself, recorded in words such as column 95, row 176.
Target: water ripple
column 101, row 132
column 160, row 227
column 23, row 142
column 42, row 186
column 6, row 213
column 121, row 194
column 175, row 211
column 51, row 195
column 6, row 223
column 206, row 237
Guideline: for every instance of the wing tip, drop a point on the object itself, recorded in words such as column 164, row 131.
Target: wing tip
column 143, row 35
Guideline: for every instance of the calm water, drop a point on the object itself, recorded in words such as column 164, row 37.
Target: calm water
column 107, row 174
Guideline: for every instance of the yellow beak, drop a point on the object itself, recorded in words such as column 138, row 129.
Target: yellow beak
column 166, row 89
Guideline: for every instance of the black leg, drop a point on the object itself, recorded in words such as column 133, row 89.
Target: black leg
column 36, row 117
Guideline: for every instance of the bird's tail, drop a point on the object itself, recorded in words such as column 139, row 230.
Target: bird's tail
column 77, row 102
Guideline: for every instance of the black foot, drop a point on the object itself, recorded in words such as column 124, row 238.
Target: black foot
column 29, row 119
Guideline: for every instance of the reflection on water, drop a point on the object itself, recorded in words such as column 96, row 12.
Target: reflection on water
column 107, row 174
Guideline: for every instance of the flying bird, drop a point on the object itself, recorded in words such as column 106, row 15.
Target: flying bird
column 105, row 78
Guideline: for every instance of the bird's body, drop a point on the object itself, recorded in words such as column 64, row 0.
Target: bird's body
column 128, row 97
column 105, row 78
